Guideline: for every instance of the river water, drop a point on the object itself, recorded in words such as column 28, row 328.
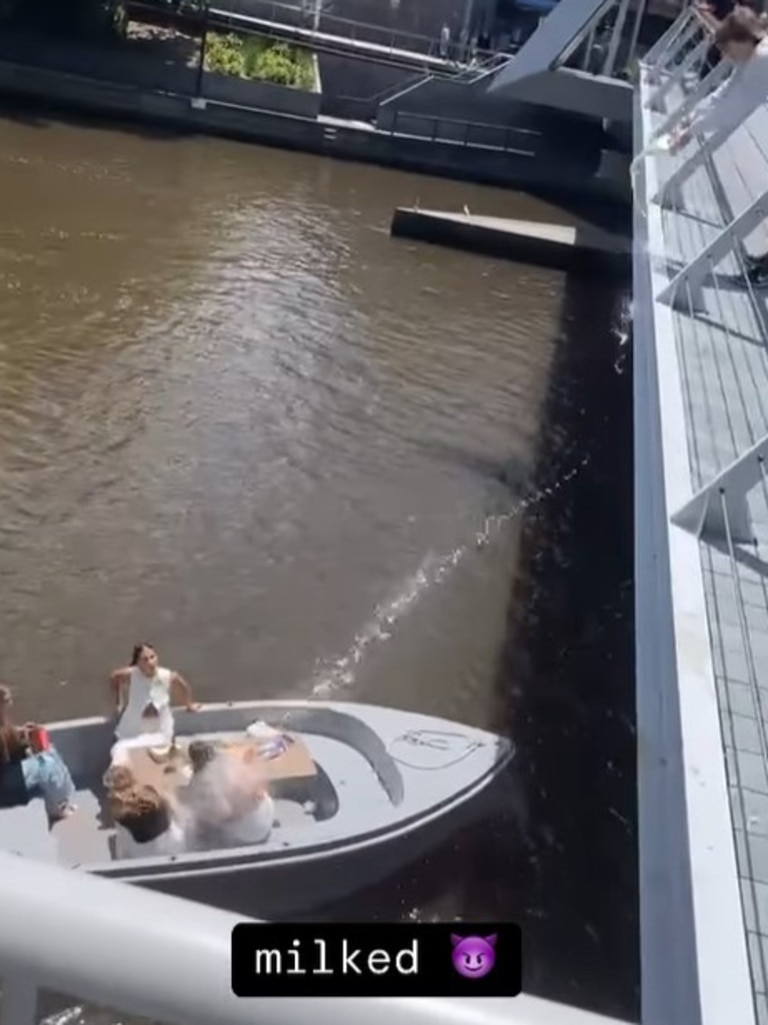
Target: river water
column 239, row 421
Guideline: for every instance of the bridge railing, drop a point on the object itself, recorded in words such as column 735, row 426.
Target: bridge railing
column 509, row 139
column 313, row 15
column 720, row 508
column 144, row 953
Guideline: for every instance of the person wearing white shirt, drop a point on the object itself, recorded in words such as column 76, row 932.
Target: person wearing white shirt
column 741, row 39
column 144, row 692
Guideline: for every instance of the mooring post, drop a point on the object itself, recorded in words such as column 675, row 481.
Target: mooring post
column 203, row 42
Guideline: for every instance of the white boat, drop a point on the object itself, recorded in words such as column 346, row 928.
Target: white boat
column 364, row 791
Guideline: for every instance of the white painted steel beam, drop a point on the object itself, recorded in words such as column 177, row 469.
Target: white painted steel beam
column 686, row 168
column 695, row 966
column 18, row 1004
column 708, row 83
column 655, row 55
column 689, row 63
column 618, row 29
column 703, row 514
column 740, row 228
column 636, row 24
column 563, row 30
column 671, row 53
column 160, row 957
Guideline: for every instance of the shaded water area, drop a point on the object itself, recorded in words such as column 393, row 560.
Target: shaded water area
column 240, row 421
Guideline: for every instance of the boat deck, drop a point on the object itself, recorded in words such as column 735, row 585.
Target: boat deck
column 87, row 836
column 701, row 403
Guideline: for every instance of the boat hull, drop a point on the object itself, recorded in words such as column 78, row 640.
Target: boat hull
column 385, row 787
column 297, row 888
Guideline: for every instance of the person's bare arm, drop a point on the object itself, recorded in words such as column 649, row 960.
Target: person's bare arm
column 117, row 683
column 706, row 16
column 181, row 689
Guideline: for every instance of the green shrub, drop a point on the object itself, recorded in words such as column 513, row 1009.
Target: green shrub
column 252, row 58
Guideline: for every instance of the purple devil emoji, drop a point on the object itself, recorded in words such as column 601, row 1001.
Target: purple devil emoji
column 473, row 956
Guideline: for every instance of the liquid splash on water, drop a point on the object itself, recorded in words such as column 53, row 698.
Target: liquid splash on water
column 622, row 333
column 68, row 1016
column 433, row 570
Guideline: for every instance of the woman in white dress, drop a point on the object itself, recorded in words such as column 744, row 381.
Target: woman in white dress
column 144, row 692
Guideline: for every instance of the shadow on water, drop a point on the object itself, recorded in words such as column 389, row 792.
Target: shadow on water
column 565, row 687
column 49, row 113
column 561, row 859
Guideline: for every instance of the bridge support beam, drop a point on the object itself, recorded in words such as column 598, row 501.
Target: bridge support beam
column 719, row 510
column 711, row 255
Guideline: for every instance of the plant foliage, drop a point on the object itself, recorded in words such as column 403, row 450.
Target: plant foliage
column 259, row 59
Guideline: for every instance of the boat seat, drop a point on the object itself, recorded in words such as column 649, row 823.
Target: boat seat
column 81, row 838
column 24, row 830
column 290, row 813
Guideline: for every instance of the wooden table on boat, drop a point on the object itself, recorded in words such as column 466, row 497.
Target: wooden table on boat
column 168, row 774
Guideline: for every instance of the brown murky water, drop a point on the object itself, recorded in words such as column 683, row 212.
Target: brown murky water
column 238, row 420
column 237, row 417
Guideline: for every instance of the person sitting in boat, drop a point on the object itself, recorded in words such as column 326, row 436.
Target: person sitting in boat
column 146, row 823
column 26, row 771
column 229, row 803
column 145, row 710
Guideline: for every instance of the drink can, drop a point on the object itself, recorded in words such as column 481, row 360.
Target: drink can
column 39, row 739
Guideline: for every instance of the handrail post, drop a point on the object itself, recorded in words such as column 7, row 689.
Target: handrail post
column 684, row 171
column 711, row 79
column 150, row 955
column 663, row 43
column 655, row 101
column 736, row 231
column 684, row 39
column 19, row 1002
column 618, row 29
column 701, row 515
column 203, row 44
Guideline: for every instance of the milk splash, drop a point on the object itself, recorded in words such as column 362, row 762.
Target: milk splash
column 223, row 791
column 622, row 333
column 433, row 570
column 69, row 1016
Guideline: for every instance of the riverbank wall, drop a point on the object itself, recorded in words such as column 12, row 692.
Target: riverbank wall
column 375, row 88
column 444, row 147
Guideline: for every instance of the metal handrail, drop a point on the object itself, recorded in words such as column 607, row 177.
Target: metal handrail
column 464, row 133
column 462, row 74
column 691, row 896
column 161, row 957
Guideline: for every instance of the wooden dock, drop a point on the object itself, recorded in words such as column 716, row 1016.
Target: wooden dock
column 557, row 246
